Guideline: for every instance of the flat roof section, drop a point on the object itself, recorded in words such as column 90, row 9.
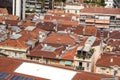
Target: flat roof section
column 43, row 71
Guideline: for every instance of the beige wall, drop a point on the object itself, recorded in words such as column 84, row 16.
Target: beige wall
column 14, row 53
column 107, row 70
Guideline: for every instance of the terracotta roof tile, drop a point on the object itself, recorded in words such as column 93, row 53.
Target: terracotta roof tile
column 90, row 30
column 38, row 52
column 21, row 42
column 115, row 35
column 1, row 19
column 27, row 23
column 105, row 34
column 69, row 55
column 29, row 16
column 48, row 26
column 12, row 17
column 101, row 10
column 115, row 44
column 9, row 65
column 60, row 39
column 3, row 10
column 105, row 60
column 49, row 17
column 78, row 30
column 12, row 22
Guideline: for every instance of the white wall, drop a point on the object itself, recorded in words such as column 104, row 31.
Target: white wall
column 73, row 8
column 17, row 8
column 109, row 3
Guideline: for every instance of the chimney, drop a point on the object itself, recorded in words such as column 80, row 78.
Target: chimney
column 45, row 45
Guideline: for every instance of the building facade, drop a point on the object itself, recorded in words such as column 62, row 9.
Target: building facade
column 112, row 3
column 38, row 6
column 19, row 8
column 100, row 17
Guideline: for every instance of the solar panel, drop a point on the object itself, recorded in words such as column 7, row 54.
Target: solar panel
column 16, row 77
column 3, row 75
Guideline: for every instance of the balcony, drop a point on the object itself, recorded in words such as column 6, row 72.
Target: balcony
column 90, row 20
column 115, row 23
column 102, row 21
column 31, row 1
column 83, row 57
column 39, row 6
column 101, row 26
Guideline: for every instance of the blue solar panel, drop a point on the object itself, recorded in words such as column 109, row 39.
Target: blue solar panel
column 3, row 75
column 15, row 77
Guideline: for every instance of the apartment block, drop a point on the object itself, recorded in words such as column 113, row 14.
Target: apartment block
column 38, row 6
column 100, row 17
column 18, row 8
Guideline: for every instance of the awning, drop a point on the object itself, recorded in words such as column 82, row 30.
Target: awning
column 68, row 63
column 61, row 62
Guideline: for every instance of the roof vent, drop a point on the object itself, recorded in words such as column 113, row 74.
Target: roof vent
column 3, row 22
column 111, row 60
column 62, row 15
column 45, row 45
column 15, row 36
column 30, row 28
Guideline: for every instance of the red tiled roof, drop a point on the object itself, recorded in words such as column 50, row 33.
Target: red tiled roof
column 48, row 26
column 38, row 52
column 105, row 34
column 105, row 60
column 12, row 22
column 49, row 17
column 89, row 76
column 115, row 44
column 9, row 65
column 69, row 55
column 90, row 30
column 60, row 39
column 3, row 10
column 29, row 16
column 21, row 42
column 1, row 19
column 115, row 35
column 27, row 23
column 101, row 10
column 78, row 30
column 73, row 23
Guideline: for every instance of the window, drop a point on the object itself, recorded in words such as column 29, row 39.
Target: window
column 15, row 53
column 31, row 58
column 68, row 11
column 75, row 11
column 87, row 64
column 80, row 64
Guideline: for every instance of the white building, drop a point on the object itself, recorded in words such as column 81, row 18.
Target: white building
column 112, row 3
column 109, row 3
column 73, row 8
column 19, row 8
